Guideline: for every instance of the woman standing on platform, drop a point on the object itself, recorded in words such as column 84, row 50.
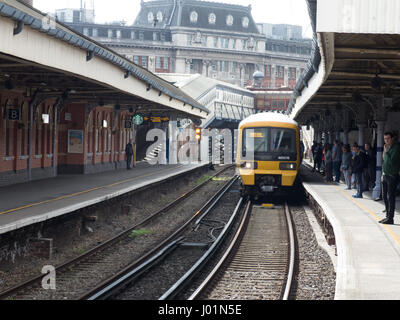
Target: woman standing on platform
column 346, row 165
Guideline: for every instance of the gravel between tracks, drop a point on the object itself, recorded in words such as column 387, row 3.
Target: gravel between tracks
column 316, row 278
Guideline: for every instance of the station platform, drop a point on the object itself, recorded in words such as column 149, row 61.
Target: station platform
column 29, row 203
column 368, row 253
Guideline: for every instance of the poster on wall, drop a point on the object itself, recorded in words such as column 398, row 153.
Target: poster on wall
column 75, row 141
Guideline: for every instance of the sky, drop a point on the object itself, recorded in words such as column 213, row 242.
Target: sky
column 268, row 11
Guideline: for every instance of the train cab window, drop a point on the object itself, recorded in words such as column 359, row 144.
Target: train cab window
column 269, row 144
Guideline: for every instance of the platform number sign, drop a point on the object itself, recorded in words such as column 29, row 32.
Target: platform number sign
column 137, row 119
column 13, row 114
column 128, row 124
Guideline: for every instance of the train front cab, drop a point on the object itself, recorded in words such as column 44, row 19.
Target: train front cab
column 274, row 170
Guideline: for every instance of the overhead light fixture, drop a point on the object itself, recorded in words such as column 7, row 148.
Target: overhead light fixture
column 149, row 86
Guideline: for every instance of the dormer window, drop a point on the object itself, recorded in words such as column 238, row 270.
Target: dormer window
column 212, row 18
column 150, row 17
column 245, row 22
column 193, row 17
column 229, row 20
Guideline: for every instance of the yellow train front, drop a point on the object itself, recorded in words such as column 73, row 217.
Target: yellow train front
column 269, row 154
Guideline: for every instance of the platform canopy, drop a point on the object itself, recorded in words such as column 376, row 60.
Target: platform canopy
column 40, row 54
column 355, row 60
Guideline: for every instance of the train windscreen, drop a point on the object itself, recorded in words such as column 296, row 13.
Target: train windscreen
column 269, row 144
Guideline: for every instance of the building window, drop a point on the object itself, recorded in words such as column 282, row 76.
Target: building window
column 268, row 70
column 166, row 63
column 225, row 43
column 158, row 62
column 136, row 59
column 94, row 32
column 144, row 61
column 141, row 36
column 193, row 17
column 215, row 42
column 232, row 67
column 212, row 18
column 155, row 36
column 279, row 72
column 214, row 65
column 223, row 66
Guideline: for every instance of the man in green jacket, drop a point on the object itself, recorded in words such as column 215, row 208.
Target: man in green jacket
column 390, row 175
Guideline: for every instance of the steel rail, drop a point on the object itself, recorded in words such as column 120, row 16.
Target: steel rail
column 9, row 292
column 151, row 253
column 292, row 254
column 180, row 284
column 233, row 243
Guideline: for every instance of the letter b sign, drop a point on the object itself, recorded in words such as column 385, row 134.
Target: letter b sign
column 13, row 114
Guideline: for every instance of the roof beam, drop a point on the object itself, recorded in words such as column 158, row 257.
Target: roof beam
column 363, row 75
column 394, row 52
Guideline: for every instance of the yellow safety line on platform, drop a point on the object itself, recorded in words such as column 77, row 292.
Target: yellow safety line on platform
column 78, row 193
column 395, row 237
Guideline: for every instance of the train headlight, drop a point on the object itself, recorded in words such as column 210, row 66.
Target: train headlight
column 249, row 165
column 287, row 166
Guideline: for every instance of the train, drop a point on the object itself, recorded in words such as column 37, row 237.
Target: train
column 269, row 154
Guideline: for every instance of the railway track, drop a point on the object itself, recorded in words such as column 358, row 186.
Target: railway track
column 259, row 262
column 108, row 258
column 145, row 280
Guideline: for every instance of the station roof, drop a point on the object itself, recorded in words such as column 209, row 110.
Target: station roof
column 198, row 14
column 39, row 53
column 197, row 85
column 355, row 58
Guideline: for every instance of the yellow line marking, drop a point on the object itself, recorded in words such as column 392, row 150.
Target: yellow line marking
column 361, row 206
column 78, row 193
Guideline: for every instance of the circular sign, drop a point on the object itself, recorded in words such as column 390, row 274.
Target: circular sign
column 137, row 119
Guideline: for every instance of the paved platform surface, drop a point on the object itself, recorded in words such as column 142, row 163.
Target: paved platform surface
column 37, row 201
column 368, row 262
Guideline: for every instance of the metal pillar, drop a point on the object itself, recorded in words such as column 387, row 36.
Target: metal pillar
column 361, row 128
column 380, row 116
column 379, row 152
column 173, row 137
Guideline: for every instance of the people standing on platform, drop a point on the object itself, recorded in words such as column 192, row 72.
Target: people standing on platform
column 358, row 168
column 346, row 165
column 129, row 154
column 370, row 169
column 328, row 162
column 336, row 159
column 390, row 176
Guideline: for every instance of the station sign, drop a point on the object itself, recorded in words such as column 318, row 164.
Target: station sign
column 157, row 119
column 128, row 124
column 13, row 114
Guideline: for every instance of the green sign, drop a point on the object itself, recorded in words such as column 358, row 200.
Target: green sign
column 137, row 119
